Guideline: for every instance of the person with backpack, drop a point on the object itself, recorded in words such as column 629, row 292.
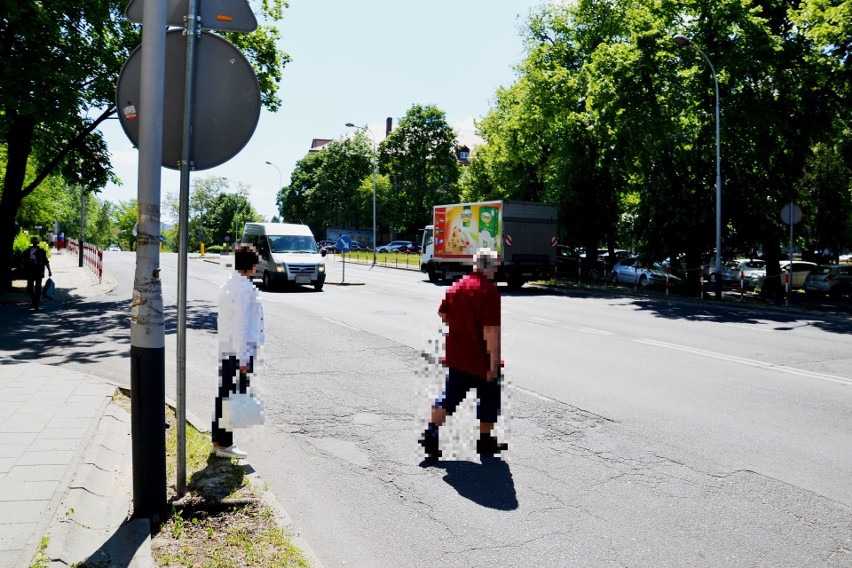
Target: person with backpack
column 35, row 261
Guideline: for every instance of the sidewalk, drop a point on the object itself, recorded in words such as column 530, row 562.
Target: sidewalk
column 65, row 455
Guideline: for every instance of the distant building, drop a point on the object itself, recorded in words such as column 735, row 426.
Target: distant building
column 318, row 143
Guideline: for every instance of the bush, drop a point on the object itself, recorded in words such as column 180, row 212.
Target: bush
column 214, row 249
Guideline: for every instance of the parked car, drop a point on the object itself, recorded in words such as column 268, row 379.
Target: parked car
column 631, row 271
column 751, row 270
column 832, row 279
column 801, row 269
column 567, row 261
column 394, row 246
column 114, row 247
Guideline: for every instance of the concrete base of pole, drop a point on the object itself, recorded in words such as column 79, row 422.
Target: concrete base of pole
column 148, row 431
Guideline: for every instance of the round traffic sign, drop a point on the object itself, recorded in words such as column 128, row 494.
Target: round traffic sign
column 225, row 109
column 344, row 243
column 791, row 214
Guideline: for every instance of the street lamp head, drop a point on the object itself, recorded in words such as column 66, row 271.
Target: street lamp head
column 350, row 125
column 681, row 40
column 270, row 163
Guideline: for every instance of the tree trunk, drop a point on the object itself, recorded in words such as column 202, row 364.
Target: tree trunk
column 19, row 146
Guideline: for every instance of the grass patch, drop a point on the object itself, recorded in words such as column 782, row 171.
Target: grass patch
column 204, row 529
column 40, row 560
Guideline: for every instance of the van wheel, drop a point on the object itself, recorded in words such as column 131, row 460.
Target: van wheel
column 318, row 286
column 267, row 281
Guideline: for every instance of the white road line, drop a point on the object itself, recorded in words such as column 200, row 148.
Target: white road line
column 749, row 362
column 592, row 330
column 543, row 320
column 342, row 324
column 533, row 394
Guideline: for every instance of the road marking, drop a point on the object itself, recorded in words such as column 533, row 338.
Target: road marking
column 533, row 394
column 543, row 320
column 342, row 324
column 750, row 362
column 592, row 330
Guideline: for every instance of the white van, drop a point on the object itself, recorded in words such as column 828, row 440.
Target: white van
column 288, row 254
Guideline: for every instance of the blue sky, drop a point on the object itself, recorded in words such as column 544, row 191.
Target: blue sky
column 361, row 62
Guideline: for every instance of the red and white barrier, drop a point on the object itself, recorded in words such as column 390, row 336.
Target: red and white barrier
column 93, row 257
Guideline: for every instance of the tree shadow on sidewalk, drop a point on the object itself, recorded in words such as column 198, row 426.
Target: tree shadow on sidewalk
column 488, row 484
column 83, row 331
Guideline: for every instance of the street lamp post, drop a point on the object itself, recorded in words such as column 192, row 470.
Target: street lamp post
column 279, row 175
column 682, row 40
column 375, row 167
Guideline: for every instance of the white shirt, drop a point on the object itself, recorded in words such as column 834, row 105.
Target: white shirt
column 240, row 322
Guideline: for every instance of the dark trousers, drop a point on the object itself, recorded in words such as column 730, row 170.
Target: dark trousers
column 34, row 289
column 228, row 373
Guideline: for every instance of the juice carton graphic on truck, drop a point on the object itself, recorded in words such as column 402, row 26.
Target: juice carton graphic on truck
column 461, row 229
column 523, row 234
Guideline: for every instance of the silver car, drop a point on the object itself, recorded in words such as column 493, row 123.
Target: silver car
column 832, row 279
column 631, row 271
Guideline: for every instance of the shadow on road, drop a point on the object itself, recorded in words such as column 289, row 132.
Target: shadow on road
column 488, row 484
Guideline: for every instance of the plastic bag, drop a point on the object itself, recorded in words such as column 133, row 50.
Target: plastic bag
column 49, row 290
column 241, row 410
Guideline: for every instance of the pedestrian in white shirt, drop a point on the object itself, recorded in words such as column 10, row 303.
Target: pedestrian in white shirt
column 240, row 333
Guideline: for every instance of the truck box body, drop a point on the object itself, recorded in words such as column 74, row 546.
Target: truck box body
column 522, row 233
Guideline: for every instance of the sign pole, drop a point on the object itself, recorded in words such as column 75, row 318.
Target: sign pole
column 192, row 32
column 147, row 325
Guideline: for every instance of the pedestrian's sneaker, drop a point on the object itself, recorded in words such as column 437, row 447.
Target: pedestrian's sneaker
column 429, row 441
column 230, row 452
column 487, row 445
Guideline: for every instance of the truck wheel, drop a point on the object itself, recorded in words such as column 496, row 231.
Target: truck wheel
column 318, row 286
column 267, row 281
column 515, row 282
column 433, row 274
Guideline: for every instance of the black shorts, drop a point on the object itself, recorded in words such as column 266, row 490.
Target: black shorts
column 487, row 393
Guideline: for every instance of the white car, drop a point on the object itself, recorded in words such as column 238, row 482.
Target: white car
column 801, row 269
column 114, row 247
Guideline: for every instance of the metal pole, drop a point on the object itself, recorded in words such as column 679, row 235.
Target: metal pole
column 683, row 40
column 192, row 31
column 147, row 328
column 82, row 224
column 375, row 167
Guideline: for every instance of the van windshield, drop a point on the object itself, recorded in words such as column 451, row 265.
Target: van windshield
column 292, row 243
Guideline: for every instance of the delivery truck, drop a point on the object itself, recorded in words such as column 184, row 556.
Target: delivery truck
column 523, row 234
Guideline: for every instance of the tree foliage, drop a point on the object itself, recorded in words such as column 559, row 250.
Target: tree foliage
column 59, row 63
column 615, row 123
column 214, row 212
column 420, row 158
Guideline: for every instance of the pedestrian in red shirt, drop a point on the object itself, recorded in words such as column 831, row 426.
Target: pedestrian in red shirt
column 471, row 310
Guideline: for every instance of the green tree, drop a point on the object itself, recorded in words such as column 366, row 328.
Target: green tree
column 323, row 186
column 125, row 215
column 59, row 62
column 421, row 161
column 203, row 198
column 825, row 192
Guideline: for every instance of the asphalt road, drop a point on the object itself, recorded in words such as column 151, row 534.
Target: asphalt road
column 642, row 432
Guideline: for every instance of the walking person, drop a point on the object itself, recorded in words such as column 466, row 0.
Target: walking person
column 471, row 311
column 35, row 261
column 240, row 336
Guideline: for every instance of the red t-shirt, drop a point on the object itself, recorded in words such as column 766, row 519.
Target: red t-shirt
column 471, row 304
